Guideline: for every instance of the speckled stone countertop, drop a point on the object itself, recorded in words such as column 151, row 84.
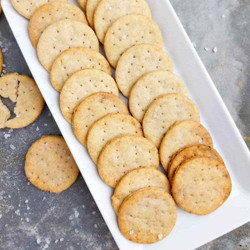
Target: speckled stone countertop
column 31, row 219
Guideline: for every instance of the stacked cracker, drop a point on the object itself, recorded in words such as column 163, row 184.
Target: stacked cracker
column 158, row 99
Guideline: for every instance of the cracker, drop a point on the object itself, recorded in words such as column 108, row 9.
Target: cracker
column 93, row 108
column 108, row 11
column 29, row 101
column 61, row 36
column 82, row 84
column 123, row 154
column 201, row 185
column 137, row 61
column 26, row 8
column 49, row 164
column 50, row 13
column 108, row 128
column 164, row 112
column 189, row 152
column 150, row 86
column 73, row 60
column 1, row 61
column 90, row 11
column 138, row 179
column 82, row 4
column 181, row 135
column 128, row 31
column 147, row 216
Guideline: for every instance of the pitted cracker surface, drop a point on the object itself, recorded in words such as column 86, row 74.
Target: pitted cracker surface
column 49, row 164
column 123, row 154
column 181, row 135
column 128, row 31
column 137, row 61
column 201, row 185
column 147, row 216
column 136, row 180
column 108, row 128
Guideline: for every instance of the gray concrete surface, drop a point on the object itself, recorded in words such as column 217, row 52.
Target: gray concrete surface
column 31, row 219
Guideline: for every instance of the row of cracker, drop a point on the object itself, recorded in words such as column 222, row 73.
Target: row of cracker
column 121, row 35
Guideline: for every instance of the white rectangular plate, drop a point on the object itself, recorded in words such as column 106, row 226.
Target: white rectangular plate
column 190, row 231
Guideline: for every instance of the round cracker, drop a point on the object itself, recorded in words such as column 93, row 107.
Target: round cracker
column 82, row 84
column 61, row 36
column 190, row 152
column 91, row 109
column 108, row 11
column 150, row 86
column 29, row 101
column 1, row 61
column 136, row 180
column 181, row 135
column 137, row 61
column 73, row 60
column 108, row 128
column 128, row 31
column 147, row 216
column 90, row 11
column 164, row 112
column 50, row 13
column 201, row 185
column 82, row 4
column 123, row 154
column 49, row 164
column 26, row 8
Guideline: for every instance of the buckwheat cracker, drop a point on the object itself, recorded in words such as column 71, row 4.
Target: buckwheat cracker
column 128, row 31
column 201, row 185
column 61, row 36
column 82, row 84
column 24, row 92
column 4, row 114
column 181, row 135
column 150, row 86
column 50, row 13
column 108, row 11
column 136, row 180
column 26, row 8
column 137, row 61
column 49, row 164
column 123, row 154
column 91, row 109
column 147, row 216
column 199, row 150
column 164, row 112
column 73, row 60
column 108, row 128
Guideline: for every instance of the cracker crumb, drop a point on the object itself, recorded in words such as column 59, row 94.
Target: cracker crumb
column 240, row 84
column 159, row 236
column 12, row 147
column 131, row 231
column 247, row 138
